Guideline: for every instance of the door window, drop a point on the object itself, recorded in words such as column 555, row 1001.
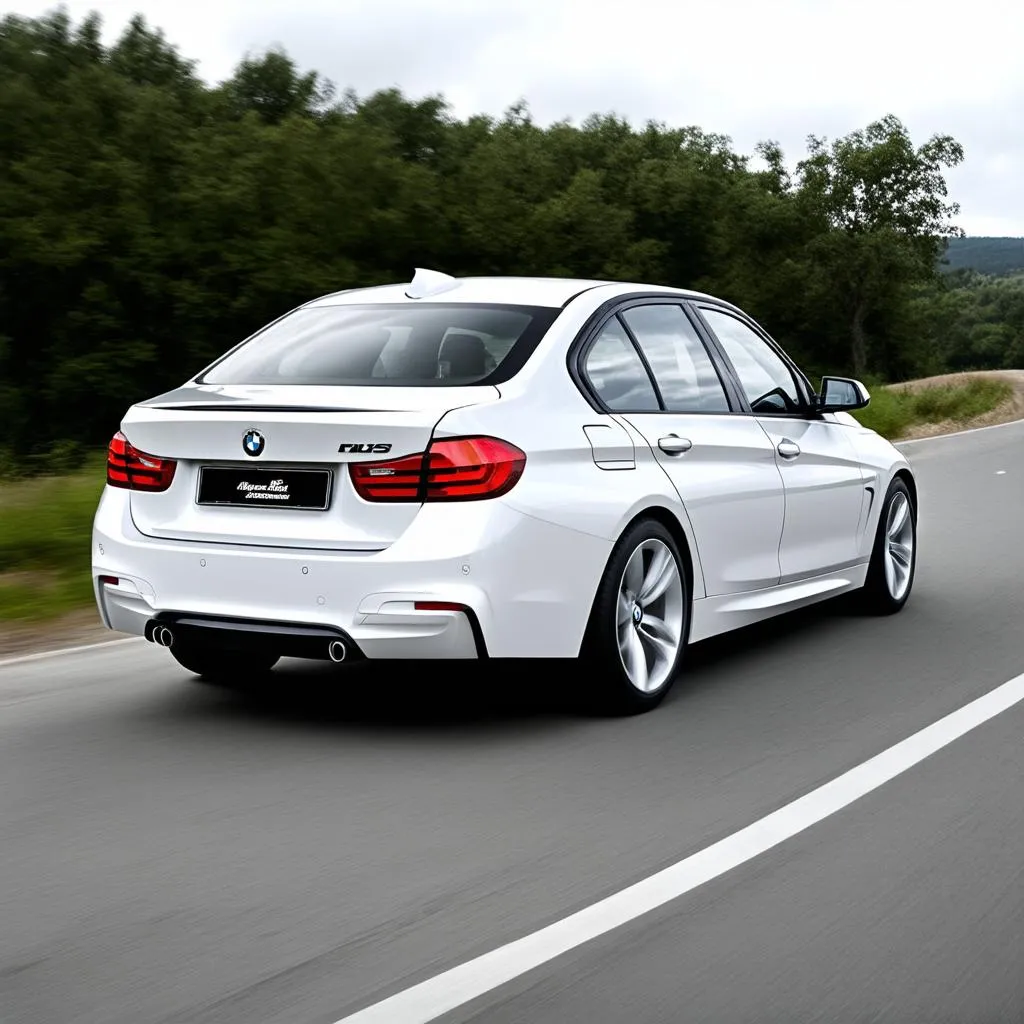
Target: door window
column 682, row 368
column 766, row 380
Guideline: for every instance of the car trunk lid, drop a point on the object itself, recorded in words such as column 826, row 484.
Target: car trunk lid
column 270, row 467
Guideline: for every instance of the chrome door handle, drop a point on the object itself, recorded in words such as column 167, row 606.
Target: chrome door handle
column 674, row 445
column 788, row 449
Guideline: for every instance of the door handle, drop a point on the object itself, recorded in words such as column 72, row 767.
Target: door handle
column 788, row 449
column 674, row 445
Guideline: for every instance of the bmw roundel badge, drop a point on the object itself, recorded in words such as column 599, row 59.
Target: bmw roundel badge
column 253, row 442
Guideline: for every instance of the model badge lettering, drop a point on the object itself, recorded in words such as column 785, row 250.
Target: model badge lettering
column 365, row 449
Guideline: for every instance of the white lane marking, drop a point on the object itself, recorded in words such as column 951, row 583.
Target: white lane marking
column 1000, row 472
column 81, row 649
column 453, row 988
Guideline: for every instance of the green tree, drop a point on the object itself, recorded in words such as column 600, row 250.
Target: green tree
column 883, row 211
column 272, row 87
column 144, row 57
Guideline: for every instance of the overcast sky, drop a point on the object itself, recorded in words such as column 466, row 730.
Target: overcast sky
column 750, row 69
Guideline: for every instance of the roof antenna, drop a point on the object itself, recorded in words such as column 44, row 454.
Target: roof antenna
column 429, row 282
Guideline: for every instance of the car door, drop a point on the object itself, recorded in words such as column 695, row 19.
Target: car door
column 648, row 366
column 821, row 470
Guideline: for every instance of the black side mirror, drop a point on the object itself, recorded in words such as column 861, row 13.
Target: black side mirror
column 841, row 394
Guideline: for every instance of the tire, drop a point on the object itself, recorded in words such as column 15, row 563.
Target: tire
column 222, row 666
column 892, row 568
column 630, row 668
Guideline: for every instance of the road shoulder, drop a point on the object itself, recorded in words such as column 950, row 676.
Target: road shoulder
column 1006, row 412
column 75, row 629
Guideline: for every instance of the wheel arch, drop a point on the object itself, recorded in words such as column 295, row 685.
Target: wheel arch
column 904, row 474
column 671, row 523
column 667, row 518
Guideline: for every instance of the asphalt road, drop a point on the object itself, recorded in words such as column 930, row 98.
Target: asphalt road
column 171, row 852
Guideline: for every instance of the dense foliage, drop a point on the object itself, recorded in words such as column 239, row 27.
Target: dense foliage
column 977, row 321
column 148, row 221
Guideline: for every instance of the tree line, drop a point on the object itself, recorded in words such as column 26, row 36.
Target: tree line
column 149, row 220
column 995, row 256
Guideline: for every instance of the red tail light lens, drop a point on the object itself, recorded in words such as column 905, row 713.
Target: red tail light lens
column 134, row 470
column 472, row 467
column 458, row 469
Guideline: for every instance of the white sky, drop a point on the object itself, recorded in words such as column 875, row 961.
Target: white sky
column 750, row 69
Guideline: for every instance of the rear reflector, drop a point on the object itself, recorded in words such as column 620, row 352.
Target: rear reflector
column 133, row 470
column 456, row 469
column 438, row 606
column 110, row 580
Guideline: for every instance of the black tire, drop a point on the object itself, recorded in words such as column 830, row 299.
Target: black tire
column 876, row 597
column 606, row 682
column 223, row 666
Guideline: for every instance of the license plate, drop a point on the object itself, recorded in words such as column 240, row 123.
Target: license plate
column 265, row 488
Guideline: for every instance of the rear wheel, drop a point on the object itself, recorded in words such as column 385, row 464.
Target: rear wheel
column 894, row 556
column 638, row 626
column 220, row 665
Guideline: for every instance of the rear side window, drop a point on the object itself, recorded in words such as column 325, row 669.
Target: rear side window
column 686, row 376
column 430, row 345
column 617, row 374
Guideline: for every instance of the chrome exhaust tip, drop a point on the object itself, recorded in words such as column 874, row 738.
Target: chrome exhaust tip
column 163, row 636
column 336, row 651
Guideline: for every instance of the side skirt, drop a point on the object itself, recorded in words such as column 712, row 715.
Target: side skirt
column 715, row 615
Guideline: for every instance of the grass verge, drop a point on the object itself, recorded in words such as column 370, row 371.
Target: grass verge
column 895, row 410
column 45, row 526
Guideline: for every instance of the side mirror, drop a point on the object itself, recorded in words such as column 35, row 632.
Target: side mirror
column 840, row 394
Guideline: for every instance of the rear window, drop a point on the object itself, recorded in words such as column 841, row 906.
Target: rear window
column 388, row 345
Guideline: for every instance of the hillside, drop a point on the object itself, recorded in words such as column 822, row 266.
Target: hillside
column 986, row 255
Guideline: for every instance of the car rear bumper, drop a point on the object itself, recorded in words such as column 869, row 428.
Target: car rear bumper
column 525, row 586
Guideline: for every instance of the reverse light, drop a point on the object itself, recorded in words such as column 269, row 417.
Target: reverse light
column 133, row 470
column 455, row 469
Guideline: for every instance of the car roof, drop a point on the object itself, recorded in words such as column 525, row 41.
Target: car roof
column 549, row 292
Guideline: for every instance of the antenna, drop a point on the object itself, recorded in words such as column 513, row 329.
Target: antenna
column 429, row 282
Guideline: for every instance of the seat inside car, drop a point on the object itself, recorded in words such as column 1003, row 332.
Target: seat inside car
column 462, row 355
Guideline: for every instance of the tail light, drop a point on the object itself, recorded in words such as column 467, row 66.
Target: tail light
column 134, row 470
column 457, row 469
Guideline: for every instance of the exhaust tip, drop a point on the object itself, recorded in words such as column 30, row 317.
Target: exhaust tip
column 336, row 651
column 163, row 636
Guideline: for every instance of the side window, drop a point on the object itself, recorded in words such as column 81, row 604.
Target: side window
column 766, row 380
column 617, row 373
column 684, row 372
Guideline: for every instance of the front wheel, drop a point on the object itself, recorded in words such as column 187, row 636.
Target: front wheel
column 638, row 625
column 218, row 665
column 894, row 556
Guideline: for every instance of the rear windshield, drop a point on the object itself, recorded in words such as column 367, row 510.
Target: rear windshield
column 388, row 345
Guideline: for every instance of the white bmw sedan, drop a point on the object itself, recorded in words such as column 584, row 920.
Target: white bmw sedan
column 496, row 468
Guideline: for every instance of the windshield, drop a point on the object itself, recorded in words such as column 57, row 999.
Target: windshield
column 396, row 345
